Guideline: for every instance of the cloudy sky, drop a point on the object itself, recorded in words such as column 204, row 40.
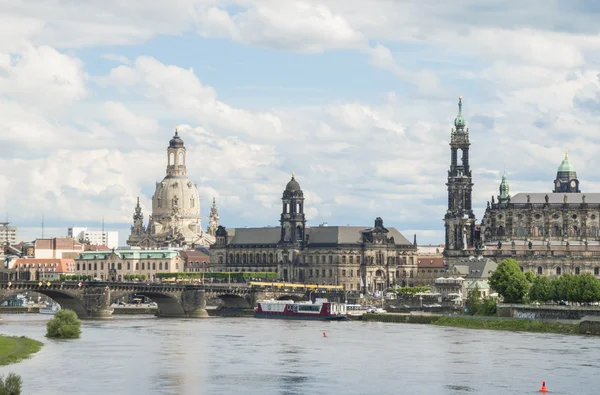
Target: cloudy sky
column 356, row 97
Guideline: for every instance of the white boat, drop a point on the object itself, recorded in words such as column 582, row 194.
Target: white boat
column 321, row 309
column 50, row 309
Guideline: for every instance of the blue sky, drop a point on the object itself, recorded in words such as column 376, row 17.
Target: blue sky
column 357, row 98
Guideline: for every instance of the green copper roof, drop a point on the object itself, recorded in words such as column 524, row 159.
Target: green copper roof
column 459, row 121
column 566, row 166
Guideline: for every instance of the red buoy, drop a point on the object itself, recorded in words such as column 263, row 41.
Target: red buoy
column 324, row 334
column 543, row 389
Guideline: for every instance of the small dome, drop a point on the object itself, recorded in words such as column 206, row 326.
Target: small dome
column 176, row 141
column 566, row 165
column 459, row 121
column 293, row 185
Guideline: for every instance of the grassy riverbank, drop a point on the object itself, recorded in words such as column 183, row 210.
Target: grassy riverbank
column 490, row 323
column 14, row 349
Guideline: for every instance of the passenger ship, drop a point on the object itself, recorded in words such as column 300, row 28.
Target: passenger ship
column 321, row 309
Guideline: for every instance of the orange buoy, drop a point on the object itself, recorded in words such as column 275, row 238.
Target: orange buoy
column 543, row 389
column 324, row 334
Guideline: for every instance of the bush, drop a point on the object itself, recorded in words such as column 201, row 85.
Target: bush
column 11, row 385
column 64, row 325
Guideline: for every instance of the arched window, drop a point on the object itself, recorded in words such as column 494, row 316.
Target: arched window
column 500, row 231
column 271, row 258
column 171, row 159
column 137, row 266
column 540, row 270
column 558, row 271
column 181, row 159
column 556, row 230
column 244, row 258
column 257, row 258
column 166, row 265
column 522, row 269
column 237, row 258
column 119, row 266
column 153, row 265
column 128, row 265
column 577, row 271
column 95, row 266
column 78, row 266
column 264, row 258
column 143, row 266
column 101, row 265
column 220, row 259
column 521, row 232
column 596, row 271
column 251, row 258
column 160, row 266
column 594, row 231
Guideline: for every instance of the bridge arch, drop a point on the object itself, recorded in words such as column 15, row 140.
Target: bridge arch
column 230, row 300
column 295, row 298
column 66, row 299
column 168, row 305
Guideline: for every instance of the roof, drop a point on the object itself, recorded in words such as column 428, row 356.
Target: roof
column 317, row 235
column 554, row 198
column 566, row 166
column 431, row 262
column 476, row 268
column 58, row 243
column 61, row 265
column 193, row 254
column 129, row 254
column 92, row 247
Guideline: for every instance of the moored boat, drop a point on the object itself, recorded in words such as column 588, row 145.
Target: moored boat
column 50, row 308
column 320, row 309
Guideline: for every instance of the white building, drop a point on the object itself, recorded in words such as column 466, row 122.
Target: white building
column 95, row 237
column 8, row 233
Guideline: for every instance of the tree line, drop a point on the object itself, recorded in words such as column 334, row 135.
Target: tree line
column 516, row 286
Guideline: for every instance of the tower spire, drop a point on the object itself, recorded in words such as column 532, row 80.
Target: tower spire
column 459, row 121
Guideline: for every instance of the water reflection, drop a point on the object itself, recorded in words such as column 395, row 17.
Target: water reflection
column 133, row 355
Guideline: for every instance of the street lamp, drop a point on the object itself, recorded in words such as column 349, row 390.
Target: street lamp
column 310, row 295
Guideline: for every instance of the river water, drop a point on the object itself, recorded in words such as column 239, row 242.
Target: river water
column 147, row 355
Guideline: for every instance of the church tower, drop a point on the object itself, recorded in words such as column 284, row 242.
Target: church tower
column 213, row 220
column 293, row 221
column 566, row 177
column 138, row 230
column 459, row 219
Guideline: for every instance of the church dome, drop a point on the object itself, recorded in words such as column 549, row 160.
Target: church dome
column 176, row 196
column 176, row 141
column 293, row 185
column 566, row 166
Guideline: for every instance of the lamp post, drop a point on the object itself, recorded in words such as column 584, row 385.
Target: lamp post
column 310, row 295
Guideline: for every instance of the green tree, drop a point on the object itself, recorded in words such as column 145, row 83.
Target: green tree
column 541, row 289
column 64, row 325
column 509, row 281
column 11, row 385
column 530, row 276
column 589, row 287
column 474, row 301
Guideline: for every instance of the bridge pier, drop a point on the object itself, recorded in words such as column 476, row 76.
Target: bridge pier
column 194, row 303
column 97, row 302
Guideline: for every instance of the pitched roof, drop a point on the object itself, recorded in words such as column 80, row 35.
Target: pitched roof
column 431, row 262
column 316, row 235
column 64, row 265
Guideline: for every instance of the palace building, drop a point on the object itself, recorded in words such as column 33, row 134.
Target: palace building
column 176, row 215
column 551, row 233
column 360, row 258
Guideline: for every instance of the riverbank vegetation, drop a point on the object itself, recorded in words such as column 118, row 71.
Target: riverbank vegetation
column 64, row 325
column 489, row 323
column 11, row 385
column 16, row 348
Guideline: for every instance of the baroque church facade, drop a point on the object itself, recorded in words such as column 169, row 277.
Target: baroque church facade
column 550, row 233
column 359, row 258
column 176, row 216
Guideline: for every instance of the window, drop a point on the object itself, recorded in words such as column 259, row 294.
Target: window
column 577, row 270
column 160, row 266
column 594, row 231
column 264, row 258
column 343, row 273
column 344, row 259
column 271, row 258
column 330, row 259
column 539, row 270
column 244, row 258
column 137, row 266
column 89, row 266
column 128, row 265
column 153, row 265
column 358, row 273
column 310, row 273
column 351, row 273
column 596, row 271
column 119, row 266
column 558, row 271
column 143, row 266
column 95, row 266
column 358, row 260
column 79, row 269
column 220, row 260
column 351, row 259
column 166, row 265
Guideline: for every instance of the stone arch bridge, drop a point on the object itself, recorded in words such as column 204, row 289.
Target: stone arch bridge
column 93, row 299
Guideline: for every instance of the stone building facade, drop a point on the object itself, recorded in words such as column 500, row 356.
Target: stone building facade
column 550, row 233
column 115, row 264
column 176, row 215
column 359, row 258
